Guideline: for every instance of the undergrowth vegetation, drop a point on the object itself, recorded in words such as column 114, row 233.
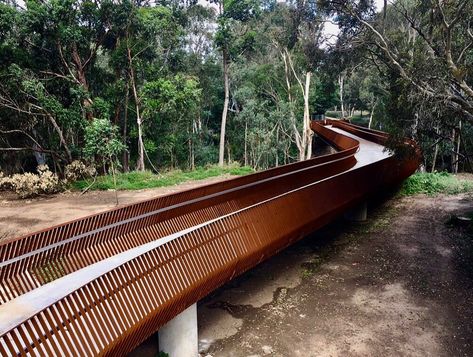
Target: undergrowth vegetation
column 45, row 182
column 79, row 176
column 30, row 184
column 141, row 180
column 435, row 183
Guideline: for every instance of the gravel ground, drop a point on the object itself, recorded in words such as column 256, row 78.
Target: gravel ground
column 19, row 217
column 400, row 284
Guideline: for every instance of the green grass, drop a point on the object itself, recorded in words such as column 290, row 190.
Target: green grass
column 358, row 120
column 435, row 183
column 140, row 180
column 333, row 114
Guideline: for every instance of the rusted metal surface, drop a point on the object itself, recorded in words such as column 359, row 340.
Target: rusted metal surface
column 103, row 284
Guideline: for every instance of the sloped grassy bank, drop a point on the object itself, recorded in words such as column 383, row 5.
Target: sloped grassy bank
column 141, row 180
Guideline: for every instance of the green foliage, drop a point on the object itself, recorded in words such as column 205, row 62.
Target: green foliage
column 174, row 97
column 236, row 14
column 415, row 68
column 241, row 10
column 153, row 71
column 102, row 142
column 158, row 68
column 141, row 180
column 435, row 183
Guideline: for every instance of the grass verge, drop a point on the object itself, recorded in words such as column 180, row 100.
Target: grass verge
column 435, row 183
column 136, row 180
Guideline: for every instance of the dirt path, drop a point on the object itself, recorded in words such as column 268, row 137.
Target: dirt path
column 19, row 217
column 399, row 285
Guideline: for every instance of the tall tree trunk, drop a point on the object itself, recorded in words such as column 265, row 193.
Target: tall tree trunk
column 140, row 162
column 436, row 150
column 125, row 156
column 221, row 153
column 371, row 114
column 457, row 154
column 277, row 142
column 82, row 79
column 340, row 83
column 286, row 154
column 307, row 131
column 246, row 143
column 61, row 136
column 297, row 136
column 192, row 146
column 453, row 156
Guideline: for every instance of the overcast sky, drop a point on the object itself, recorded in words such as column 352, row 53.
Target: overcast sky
column 332, row 29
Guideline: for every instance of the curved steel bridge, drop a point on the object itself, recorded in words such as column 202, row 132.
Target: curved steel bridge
column 102, row 284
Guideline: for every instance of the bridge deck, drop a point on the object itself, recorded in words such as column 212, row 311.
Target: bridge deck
column 369, row 152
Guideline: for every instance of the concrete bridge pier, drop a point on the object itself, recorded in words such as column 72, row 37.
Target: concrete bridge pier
column 178, row 337
column 358, row 213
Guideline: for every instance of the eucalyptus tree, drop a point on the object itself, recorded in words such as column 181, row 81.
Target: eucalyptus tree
column 47, row 56
column 70, row 33
column 231, row 38
column 425, row 49
column 297, row 36
column 145, row 40
column 200, row 62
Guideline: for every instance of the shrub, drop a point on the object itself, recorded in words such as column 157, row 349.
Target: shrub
column 435, row 183
column 102, row 142
column 78, row 170
column 30, row 185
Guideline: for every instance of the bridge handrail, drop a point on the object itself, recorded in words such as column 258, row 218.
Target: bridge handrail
column 36, row 266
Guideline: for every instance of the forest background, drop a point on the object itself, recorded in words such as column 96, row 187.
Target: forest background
column 141, row 85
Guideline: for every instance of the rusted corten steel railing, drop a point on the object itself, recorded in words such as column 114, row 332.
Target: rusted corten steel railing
column 102, row 285
column 33, row 260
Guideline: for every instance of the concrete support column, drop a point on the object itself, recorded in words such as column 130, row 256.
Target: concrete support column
column 178, row 337
column 358, row 213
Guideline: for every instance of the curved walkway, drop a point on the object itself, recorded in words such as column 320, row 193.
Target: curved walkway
column 103, row 284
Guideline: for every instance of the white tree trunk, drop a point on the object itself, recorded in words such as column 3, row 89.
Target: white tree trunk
column 140, row 162
column 304, row 139
column 340, row 83
column 297, row 135
column 371, row 114
column 307, row 131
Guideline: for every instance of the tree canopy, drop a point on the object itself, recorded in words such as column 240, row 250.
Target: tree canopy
column 180, row 84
